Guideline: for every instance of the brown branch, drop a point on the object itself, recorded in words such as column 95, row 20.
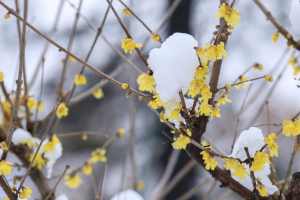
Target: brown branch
column 61, row 48
column 283, row 31
column 8, row 191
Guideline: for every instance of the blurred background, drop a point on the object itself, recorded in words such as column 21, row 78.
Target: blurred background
column 141, row 159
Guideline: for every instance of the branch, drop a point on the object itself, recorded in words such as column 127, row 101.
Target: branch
column 286, row 34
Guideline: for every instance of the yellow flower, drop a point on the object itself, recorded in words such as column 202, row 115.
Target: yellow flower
column 1, row 76
column 129, row 45
column 39, row 162
column 121, row 133
column 32, row 103
column 98, row 93
column 155, row 103
column 216, row 52
column 236, row 168
column 71, row 58
column 175, row 113
column 146, row 83
column 229, row 14
column 80, row 80
column 296, row 70
column 259, row 161
column 291, row 128
column 275, row 37
column 201, row 73
column 262, row 190
column 87, row 168
column 268, row 78
column 215, row 112
column 209, row 161
column 181, row 142
column 155, row 37
column 62, row 110
column 195, row 87
column 51, row 144
column 125, row 86
column 205, row 92
column 205, row 109
column 6, row 106
column 126, row 12
column 243, row 82
column 98, row 155
column 5, row 168
column 293, row 61
column 25, row 193
column 271, row 141
column 72, row 181
column 224, row 99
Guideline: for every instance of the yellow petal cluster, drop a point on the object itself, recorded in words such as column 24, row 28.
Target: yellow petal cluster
column 129, row 45
column 87, row 168
column 62, row 110
column 271, row 140
column 98, row 155
column 181, row 142
column 236, row 168
column 72, row 181
column 25, row 193
column 229, row 14
column 262, row 190
column 209, row 161
column 275, row 37
column 155, row 103
column 211, row 53
column 80, row 80
column 259, row 161
column 146, row 83
column 5, row 168
column 98, row 93
column 290, row 127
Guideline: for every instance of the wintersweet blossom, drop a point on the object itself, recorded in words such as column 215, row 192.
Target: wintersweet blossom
column 209, row 161
column 181, row 142
column 5, row 168
column 253, row 140
column 25, row 193
column 62, row 110
column 291, row 127
column 146, row 83
column 129, row 45
column 229, row 14
column 98, row 93
column 173, row 67
column 72, row 181
column 127, row 194
column 80, row 80
column 50, row 151
column 275, row 37
column 271, row 141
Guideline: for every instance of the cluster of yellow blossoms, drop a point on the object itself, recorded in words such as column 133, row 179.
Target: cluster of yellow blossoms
column 73, row 180
column 229, row 14
column 209, row 161
column 129, row 45
column 293, row 62
column 272, row 141
column 236, row 168
column 182, row 141
column 291, row 127
column 211, row 53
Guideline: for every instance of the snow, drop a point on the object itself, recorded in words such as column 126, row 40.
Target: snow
column 173, row 65
column 127, row 195
column 253, row 139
